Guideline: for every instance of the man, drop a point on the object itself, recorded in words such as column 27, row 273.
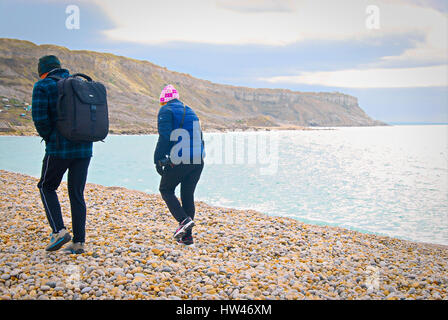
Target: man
column 183, row 165
column 60, row 155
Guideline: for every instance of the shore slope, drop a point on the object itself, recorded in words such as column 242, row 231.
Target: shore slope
column 238, row 254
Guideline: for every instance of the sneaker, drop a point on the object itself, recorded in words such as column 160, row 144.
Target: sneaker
column 57, row 240
column 75, row 248
column 183, row 228
column 186, row 240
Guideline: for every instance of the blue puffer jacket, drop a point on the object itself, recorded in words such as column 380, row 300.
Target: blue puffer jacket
column 168, row 120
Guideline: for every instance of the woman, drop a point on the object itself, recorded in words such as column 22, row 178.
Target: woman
column 179, row 160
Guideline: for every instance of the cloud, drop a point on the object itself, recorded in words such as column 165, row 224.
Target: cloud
column 440, row 5
column 200, row 21
column 255, row 6
column 279, row 23
column 433, row 76
column 430, row 23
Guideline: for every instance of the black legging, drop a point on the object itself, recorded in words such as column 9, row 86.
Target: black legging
column 188, row 176
column 53, row 170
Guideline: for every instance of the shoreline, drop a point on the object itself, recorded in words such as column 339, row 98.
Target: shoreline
column 150, row 132
column 229, row 130
column 430, row 244
column 123, row 132
column 238, row 254
column 223, row 207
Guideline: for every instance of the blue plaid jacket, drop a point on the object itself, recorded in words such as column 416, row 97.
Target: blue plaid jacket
column 45, row 97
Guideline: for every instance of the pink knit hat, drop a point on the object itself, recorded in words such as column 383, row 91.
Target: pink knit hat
column 168, row 93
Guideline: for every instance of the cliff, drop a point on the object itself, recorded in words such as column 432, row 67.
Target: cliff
column 134, row 87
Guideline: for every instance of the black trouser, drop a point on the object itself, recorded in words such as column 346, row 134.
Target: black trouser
column 188, row 176
column 53, row 170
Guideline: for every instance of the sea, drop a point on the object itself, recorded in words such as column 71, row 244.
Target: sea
column 386, row 180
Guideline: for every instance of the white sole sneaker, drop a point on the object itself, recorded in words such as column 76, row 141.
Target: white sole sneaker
column 180, row 232
column 186, row 245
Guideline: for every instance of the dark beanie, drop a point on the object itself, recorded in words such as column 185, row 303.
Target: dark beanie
column 48, row 63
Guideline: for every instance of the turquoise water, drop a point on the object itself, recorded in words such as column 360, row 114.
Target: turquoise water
column 386, row 180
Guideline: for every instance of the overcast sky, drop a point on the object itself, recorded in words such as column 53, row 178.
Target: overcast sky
column 392, row 54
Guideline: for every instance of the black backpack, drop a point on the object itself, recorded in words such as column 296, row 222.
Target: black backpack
column 82, row 113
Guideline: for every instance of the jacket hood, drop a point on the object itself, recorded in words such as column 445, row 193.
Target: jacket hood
column 59, row 72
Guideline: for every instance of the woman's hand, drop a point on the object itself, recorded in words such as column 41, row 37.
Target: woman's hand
column 159, row 168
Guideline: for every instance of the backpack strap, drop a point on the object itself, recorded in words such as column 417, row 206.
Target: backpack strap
column 82, row 75
column 57, row 78
column 183, row 117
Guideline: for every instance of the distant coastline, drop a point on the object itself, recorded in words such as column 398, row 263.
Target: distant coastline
column 30, row 133
column 133, row 101
column 33, row 133
column 416, row 123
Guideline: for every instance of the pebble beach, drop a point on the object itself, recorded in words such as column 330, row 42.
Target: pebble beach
column 238, row 254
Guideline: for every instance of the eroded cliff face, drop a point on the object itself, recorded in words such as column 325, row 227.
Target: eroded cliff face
column 134, row 87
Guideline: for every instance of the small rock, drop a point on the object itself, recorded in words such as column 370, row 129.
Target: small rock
column 86, row 290
column 139, row 275
column 436, row 296
column 6, row 276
